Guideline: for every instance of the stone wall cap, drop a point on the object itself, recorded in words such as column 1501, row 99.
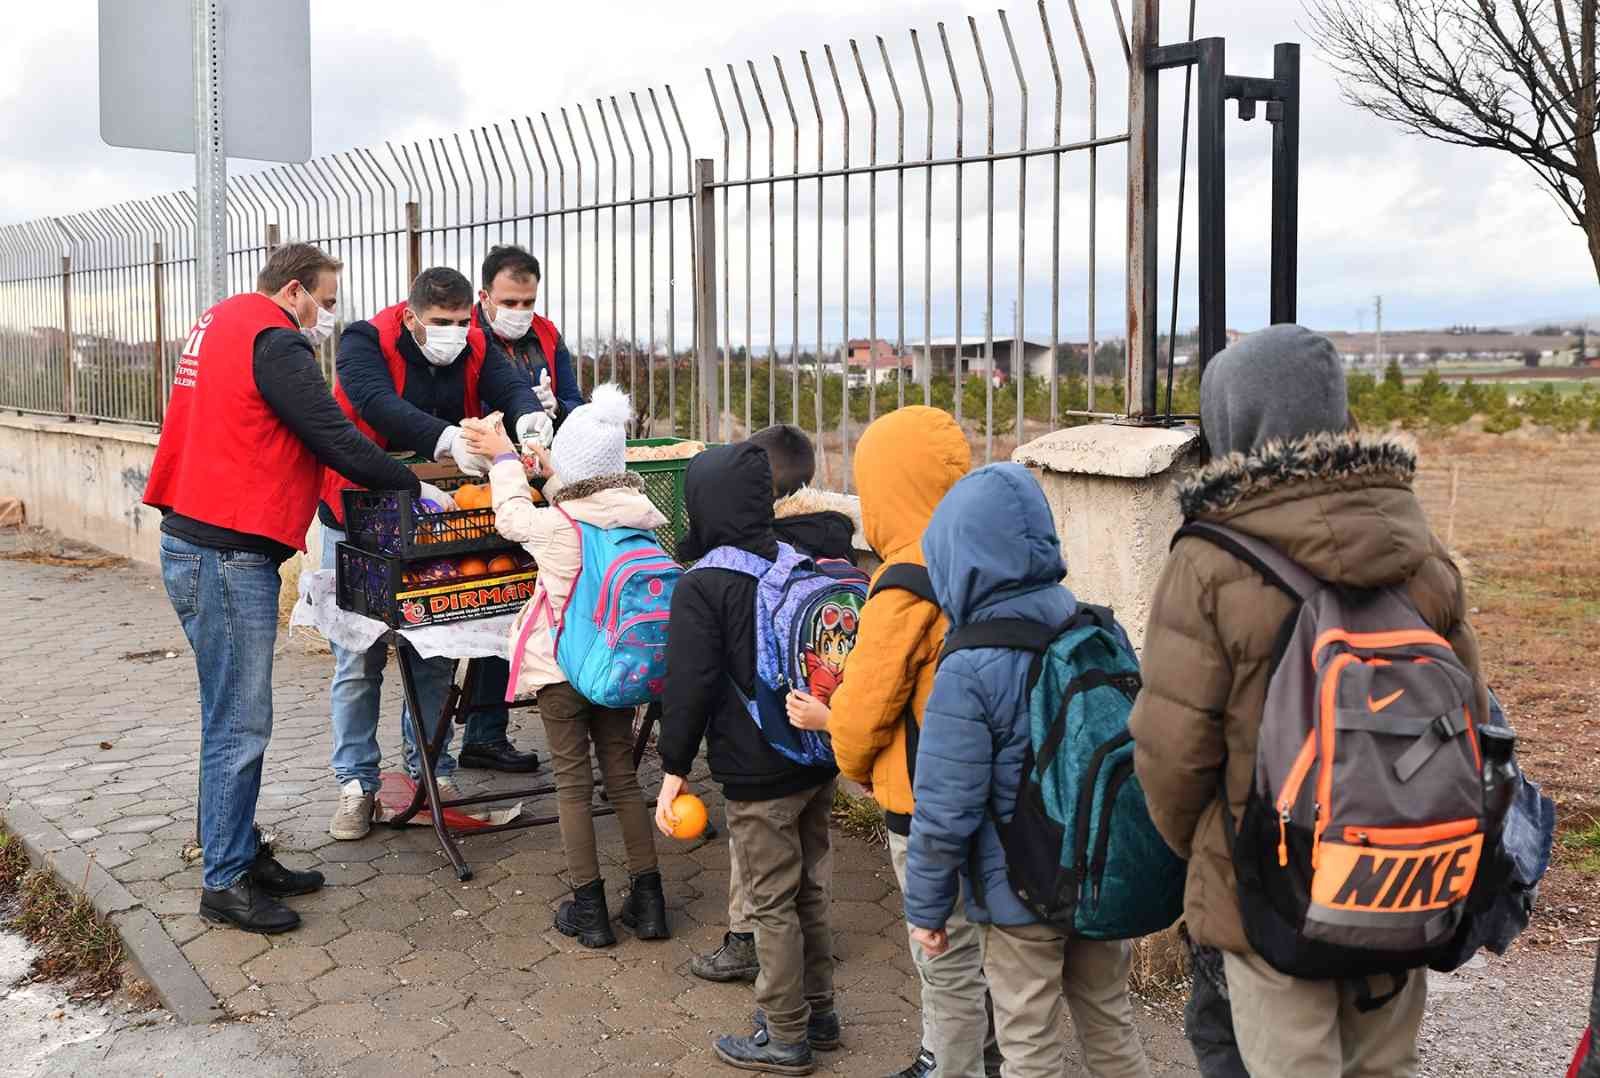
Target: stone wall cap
column 1109, row 449
column 83, row 428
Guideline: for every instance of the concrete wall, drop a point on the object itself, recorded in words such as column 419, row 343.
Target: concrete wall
column 1113, row 492
column 83, row 480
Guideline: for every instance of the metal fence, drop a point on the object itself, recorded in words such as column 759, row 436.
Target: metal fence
column 884, row 223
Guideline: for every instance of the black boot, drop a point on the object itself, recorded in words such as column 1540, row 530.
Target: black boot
column 822, row 1030
column 245, row 905
column 759, row 1052
column 280, row 882
column 920, row 1067
column 646, row 909
column 585, row 917
column 735, row 960
column 503, row 756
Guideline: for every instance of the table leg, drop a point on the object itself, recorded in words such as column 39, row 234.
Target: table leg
column 428, row 751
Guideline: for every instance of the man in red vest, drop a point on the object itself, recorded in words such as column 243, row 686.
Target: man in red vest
column 407, row 377
column 510, row 280
column 249, row 429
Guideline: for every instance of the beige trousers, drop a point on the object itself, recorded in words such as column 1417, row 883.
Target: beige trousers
column 1035, row 972
column 1290, row 1028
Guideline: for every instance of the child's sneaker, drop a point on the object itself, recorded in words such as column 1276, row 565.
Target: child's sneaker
column 759, row 1052
column 353, row 818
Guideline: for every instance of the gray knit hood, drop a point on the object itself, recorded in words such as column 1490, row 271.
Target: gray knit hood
column 1282, row 383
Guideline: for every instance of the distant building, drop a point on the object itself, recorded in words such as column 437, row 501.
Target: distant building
column 875, row 361
column 971, row 357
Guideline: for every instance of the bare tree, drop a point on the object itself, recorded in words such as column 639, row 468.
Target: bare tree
column 1516, row 76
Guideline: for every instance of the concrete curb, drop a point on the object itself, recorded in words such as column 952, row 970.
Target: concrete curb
column 150, row 950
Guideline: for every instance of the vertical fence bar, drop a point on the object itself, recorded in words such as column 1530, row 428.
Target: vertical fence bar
column 1211, row 161
column 705, row 254
column 68, row 375
column 1285, row 117
column 161, row 331
column 1144, row 106
column 413, row 242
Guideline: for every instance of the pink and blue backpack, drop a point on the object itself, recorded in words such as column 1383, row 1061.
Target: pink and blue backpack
column 806, row 617
column 611, row 636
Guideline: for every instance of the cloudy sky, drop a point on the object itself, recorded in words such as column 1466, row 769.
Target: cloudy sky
column 1446, row 235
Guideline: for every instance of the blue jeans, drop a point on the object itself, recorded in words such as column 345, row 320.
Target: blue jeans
column 489, row 727
column 227, row 603
column 356, row 692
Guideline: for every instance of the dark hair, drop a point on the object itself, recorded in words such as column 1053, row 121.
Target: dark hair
column 301, row 262
column 791, row 454
column 508, row 258
column 441, row 287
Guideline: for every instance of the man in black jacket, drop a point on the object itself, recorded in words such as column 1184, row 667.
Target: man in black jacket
column 407, row 377
column 777, row 810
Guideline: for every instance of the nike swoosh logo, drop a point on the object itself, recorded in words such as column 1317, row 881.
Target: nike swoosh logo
column 1376, row 706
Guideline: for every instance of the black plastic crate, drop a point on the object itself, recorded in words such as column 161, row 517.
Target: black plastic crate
column 392, row 590
column 388, row 522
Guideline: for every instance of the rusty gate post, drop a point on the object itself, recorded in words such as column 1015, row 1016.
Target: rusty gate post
column 160, row 364
column 1144, row 106
column 414, row 242
column 705, row 300
column 68, row 376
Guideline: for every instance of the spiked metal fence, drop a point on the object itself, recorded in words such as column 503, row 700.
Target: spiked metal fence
column 932, row 192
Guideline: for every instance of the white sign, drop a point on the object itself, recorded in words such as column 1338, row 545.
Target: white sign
column 147, row 72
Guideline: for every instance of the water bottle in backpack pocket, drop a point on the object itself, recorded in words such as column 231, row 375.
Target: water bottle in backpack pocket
column 611, row 636
column 1365, row 832
column 1081, row 850
column 806, row 614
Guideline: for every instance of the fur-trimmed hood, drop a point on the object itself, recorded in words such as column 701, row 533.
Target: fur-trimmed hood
column 1339, row 504
column 609, row 501
column 585, row 488
column 817, row 522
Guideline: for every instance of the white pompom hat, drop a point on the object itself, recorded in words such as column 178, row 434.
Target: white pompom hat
column 593, row 439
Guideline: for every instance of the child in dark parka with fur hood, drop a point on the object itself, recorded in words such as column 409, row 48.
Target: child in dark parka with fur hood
column 1286, row 470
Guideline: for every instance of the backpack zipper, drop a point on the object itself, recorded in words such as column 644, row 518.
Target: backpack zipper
column 1291, row 793
column 658, row 615
column 1097, row 868
column 622, row 561
column 613, row 602
column 1327, row 716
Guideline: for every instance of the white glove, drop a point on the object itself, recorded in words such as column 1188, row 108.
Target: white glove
column 447, row 440
column 547, row 397
column 537, row 428
column 437, row 497
column 452, row 445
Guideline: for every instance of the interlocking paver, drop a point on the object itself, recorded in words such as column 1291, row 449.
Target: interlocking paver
column 384, row 978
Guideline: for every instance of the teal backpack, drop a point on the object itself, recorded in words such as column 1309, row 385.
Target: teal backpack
column 1081, row 852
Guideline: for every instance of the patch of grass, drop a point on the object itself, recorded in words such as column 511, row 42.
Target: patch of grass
column 74, row 943
column 860, row 817
column 1584, row 844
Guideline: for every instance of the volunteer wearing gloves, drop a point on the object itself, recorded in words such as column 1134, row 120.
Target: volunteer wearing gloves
column 249, row 429
column 407, row 377
column 510, row 277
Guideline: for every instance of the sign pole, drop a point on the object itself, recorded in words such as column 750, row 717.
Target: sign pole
column 210, row 158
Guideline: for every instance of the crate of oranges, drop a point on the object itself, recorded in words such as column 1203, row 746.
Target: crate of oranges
column 409, row 593
column 394, row 523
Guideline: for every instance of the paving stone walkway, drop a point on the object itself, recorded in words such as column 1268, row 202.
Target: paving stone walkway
column 399, row 969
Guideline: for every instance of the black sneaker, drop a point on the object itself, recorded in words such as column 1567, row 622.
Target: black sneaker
column 278, row 881
column 759, row 1052
column 920, row 1067
column 735, row 960
column 822, row 1029
column 499, row 757
column 245, row 905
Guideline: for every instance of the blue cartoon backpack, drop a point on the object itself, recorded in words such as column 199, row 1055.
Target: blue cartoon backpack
column 806, row 616
column 611, row 636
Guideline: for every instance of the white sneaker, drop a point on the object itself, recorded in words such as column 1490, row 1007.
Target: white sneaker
column 353, row 819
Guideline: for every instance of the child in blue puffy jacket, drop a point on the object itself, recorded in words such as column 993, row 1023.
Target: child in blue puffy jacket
column 969, row 767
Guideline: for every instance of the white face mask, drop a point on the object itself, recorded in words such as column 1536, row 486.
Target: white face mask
column 512, row 324
column 443, row 344
column 322, row 330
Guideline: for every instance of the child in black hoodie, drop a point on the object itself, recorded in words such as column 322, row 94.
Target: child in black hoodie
column 777, row 810
column 807, row 519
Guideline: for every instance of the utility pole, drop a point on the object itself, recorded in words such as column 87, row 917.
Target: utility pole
column 1377, row 302
column 210, row 156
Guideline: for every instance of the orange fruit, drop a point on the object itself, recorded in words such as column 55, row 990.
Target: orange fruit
column 471, row 567
column 472, row 496
column 502, row 563
column 690, row 813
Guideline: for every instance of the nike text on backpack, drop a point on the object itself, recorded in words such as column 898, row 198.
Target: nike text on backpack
column 1364, row 838
column 611, row 635
column 806, row 614
column 1081, row 851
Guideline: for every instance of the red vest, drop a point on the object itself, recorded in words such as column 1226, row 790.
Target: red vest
column 389, row 326
column 543, row 329
column 225, row 458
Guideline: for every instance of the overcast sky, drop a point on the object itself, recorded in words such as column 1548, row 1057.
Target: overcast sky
column 1446, row 235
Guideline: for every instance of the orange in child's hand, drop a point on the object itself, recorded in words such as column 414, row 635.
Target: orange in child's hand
column 471, row 567
column 502, row 563
column 689, row 812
